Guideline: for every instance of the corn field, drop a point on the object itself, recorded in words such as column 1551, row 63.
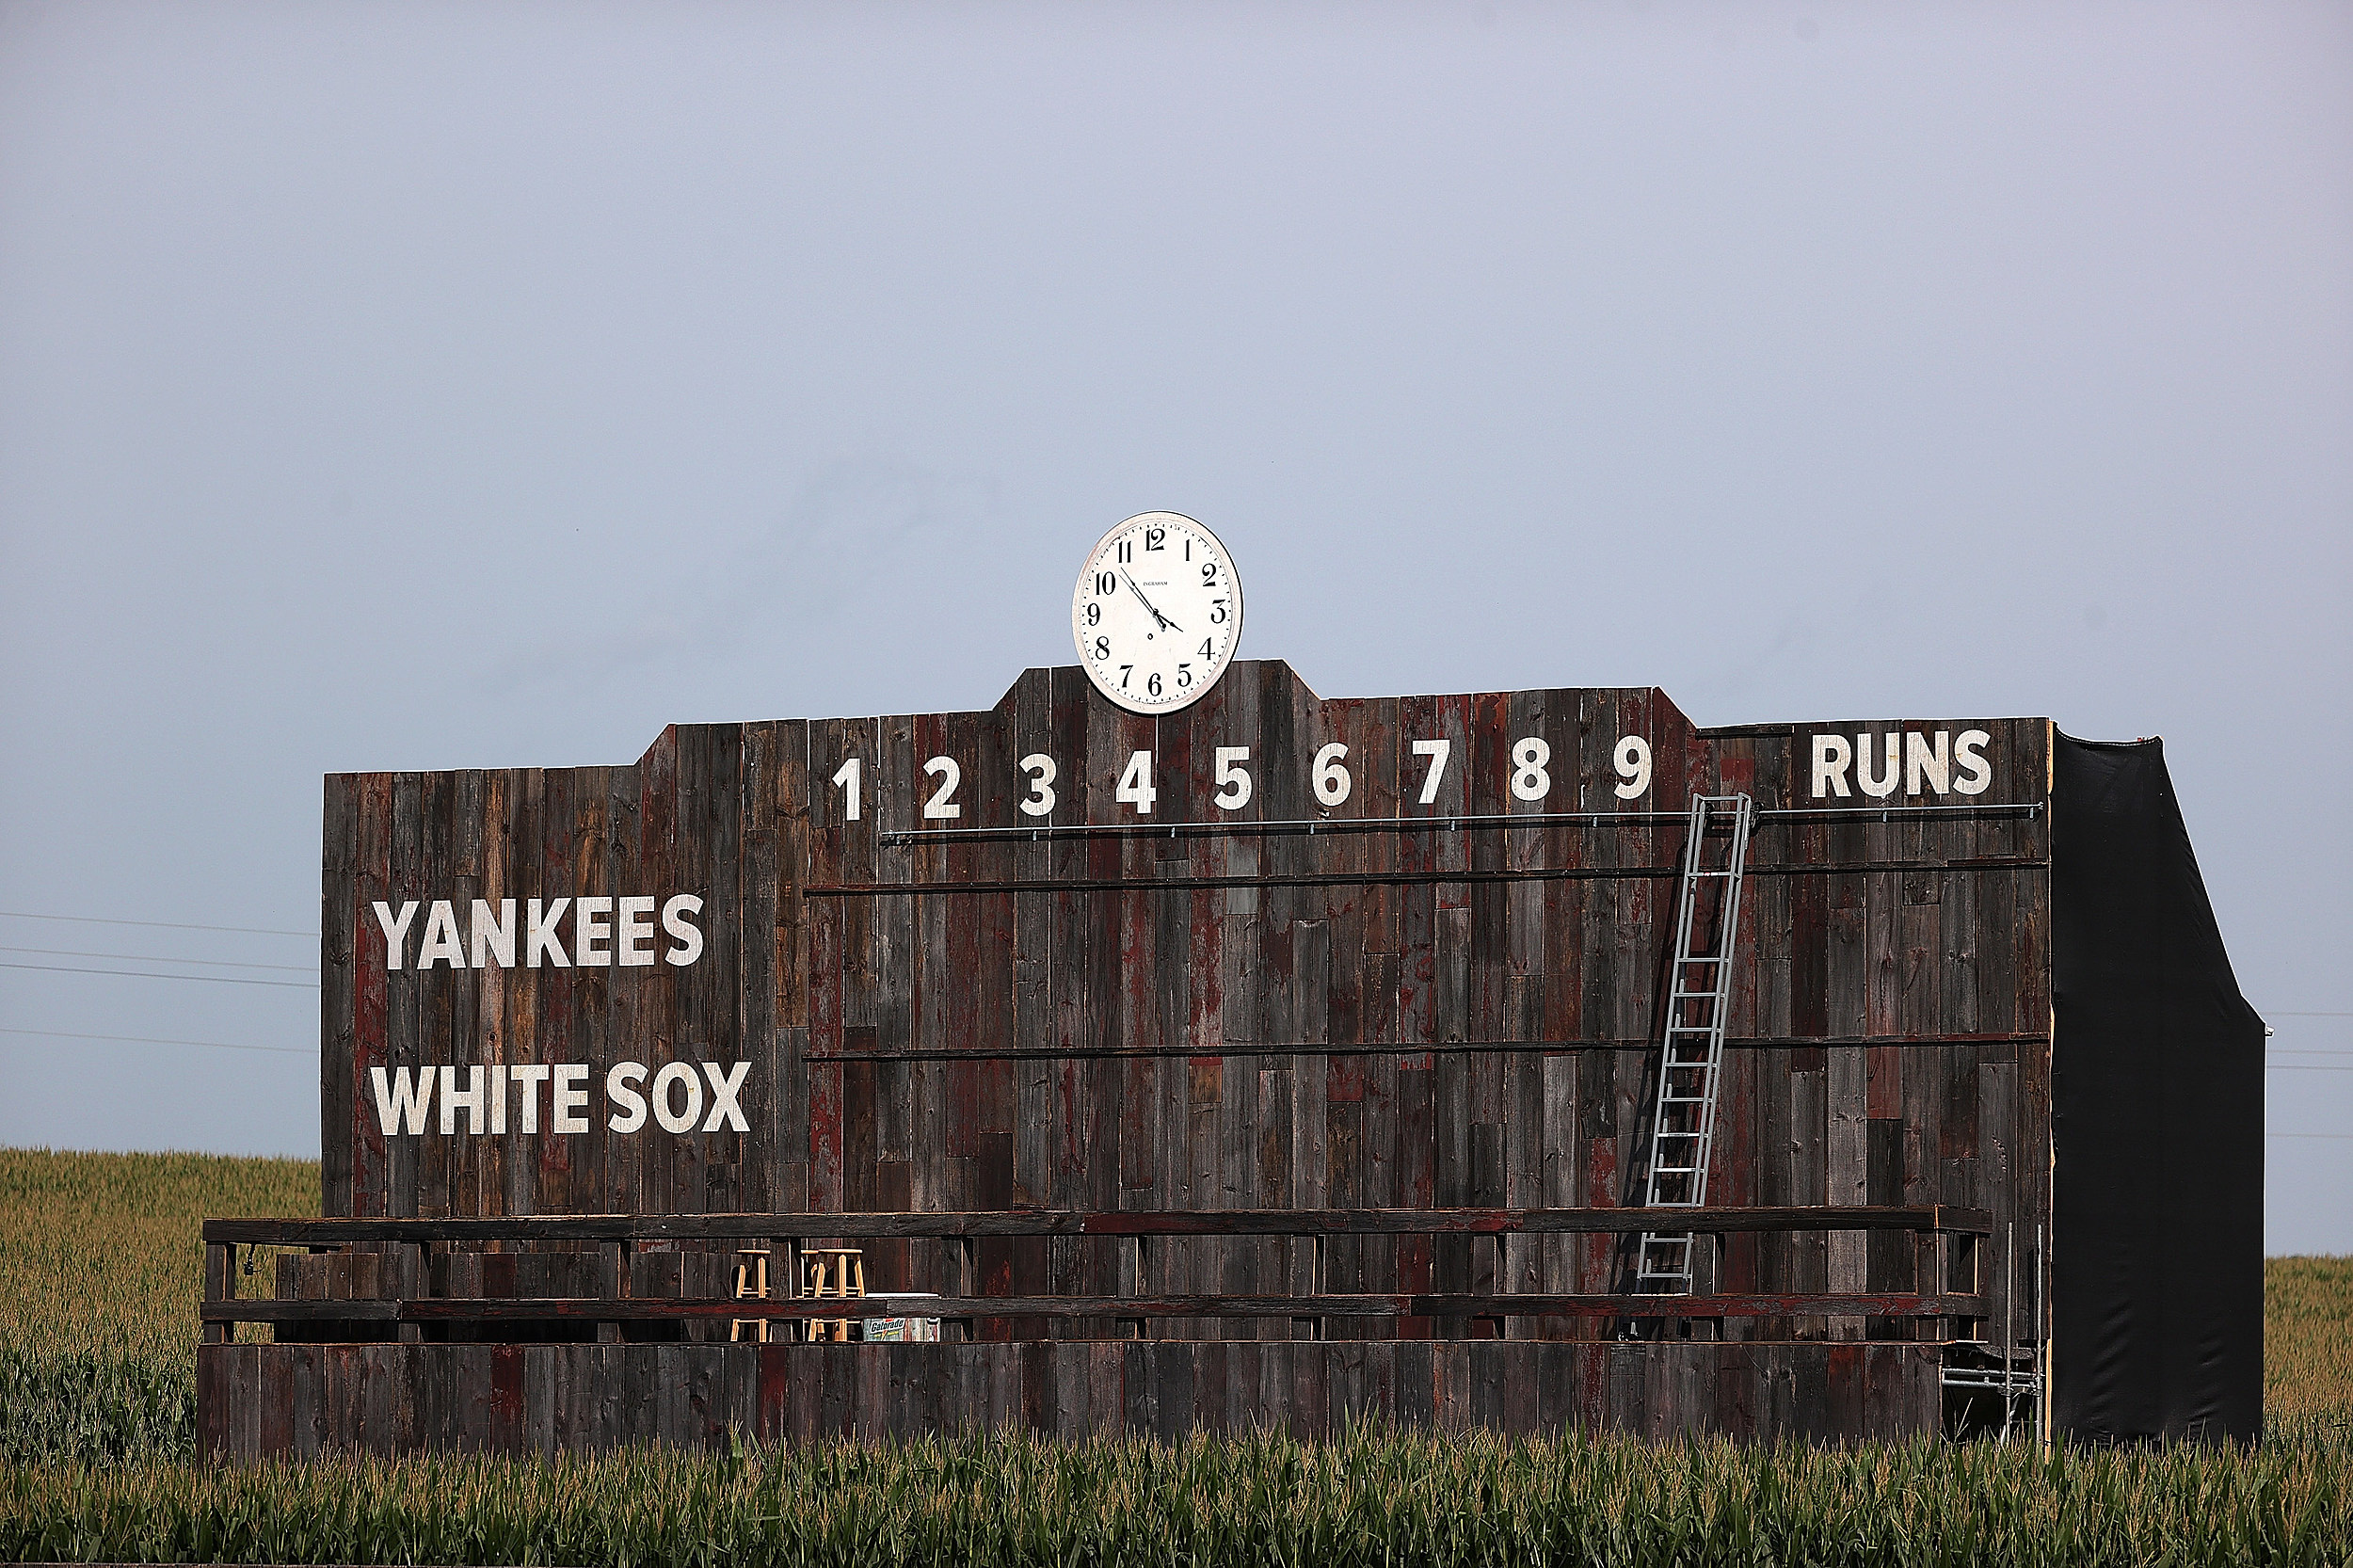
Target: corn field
column 100, row 1276
column 1372, row 1498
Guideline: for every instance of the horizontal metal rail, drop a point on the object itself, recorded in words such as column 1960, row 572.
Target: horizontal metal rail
column 1398, row 878
column 592, row 1309
column 1464, row 822
column 1393, row 1048
column 1028, row 1221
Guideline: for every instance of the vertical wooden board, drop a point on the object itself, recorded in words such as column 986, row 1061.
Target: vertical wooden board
column 435, row 988
column 403, row 1026
column 359, row 1124
column 340, row 914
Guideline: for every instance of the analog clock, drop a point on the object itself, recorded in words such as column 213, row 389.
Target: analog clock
column 1157, row 613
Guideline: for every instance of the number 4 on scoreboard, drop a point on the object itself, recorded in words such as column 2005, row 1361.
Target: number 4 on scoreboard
column 1135, row 784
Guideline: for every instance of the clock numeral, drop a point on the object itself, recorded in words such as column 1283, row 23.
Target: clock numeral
column 1152, row 685
column 846, row 776
column 1209, row 574
column 1529, row 781
column 1332, row 780
column 1436, row 751
column 1155, row 538
column 1217, row 612
column 1205, row 650
column 1233, row 780
column 1102, row 645
column 1094, row 614
column 1126, row 551
column 1188, row 550
column 1105, row 584
column 1040, row 768
column 942, row 802
column 1633, row 764
column 1135, row 784
column 1184, row 674
column 1125, row 670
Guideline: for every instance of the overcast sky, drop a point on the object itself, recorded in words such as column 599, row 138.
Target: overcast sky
column 425, row 385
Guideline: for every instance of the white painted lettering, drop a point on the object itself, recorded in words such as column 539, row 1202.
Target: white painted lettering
column 441, row 938
column 677, row 1072
column 588, row 930
column 400, row 1104
column 530, row 1075
column 635, row 940
column 540, row 936
column 471, row 1097
column 687, row 935
column 725, row 1111
column 493, row 937
column 498, row 1099
column 565, row 1102
column 395, row 930
column 1934, row 769
column 617, row 1088
column 1831, row 757
column 1879, row 788
column 1975, row 773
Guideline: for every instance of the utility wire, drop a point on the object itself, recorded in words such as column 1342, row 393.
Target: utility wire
column 151, row 1040
column 150, row 974
column 159, row 925
column 161, row 958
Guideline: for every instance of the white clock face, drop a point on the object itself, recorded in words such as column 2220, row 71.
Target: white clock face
column 1157, row 613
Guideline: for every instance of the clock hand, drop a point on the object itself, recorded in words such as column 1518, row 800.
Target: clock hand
column 1166, row 625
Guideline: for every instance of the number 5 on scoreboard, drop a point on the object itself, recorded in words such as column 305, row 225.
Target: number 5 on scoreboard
column 1437, row 751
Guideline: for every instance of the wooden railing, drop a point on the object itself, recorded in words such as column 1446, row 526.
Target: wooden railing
column 412, row 1306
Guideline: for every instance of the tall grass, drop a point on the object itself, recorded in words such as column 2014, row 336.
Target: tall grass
column 2308, row 1338
column 1372, row 1497
column 101, row 1270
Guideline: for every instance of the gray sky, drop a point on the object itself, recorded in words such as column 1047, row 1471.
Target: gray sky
column 423, row 385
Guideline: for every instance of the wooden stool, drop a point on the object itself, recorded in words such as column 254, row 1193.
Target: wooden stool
column 834, row 1272
column 751, row 1284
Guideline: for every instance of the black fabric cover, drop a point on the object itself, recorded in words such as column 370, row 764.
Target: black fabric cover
column 2158, row 1110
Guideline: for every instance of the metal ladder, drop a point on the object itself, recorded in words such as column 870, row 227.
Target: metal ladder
column 1691, row 1045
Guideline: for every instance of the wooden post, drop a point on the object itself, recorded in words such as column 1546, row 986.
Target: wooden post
column 220, row 1285
column 613, row 1285
column 416, row 1281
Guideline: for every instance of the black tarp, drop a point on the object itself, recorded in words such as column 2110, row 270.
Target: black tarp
column 2157, row 1143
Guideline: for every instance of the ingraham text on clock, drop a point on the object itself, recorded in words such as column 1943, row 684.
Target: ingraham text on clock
column 1878, row 767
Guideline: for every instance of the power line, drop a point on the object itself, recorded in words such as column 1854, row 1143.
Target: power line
column 151, row 1040
column 160, row 958
column 150, row 974
column 159, row 925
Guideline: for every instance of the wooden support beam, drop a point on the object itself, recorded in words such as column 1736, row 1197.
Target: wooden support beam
column 441, row 1309
column 1229, row 1222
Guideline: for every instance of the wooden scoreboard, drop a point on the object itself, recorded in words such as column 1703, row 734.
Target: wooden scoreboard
column 1261, row 1061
